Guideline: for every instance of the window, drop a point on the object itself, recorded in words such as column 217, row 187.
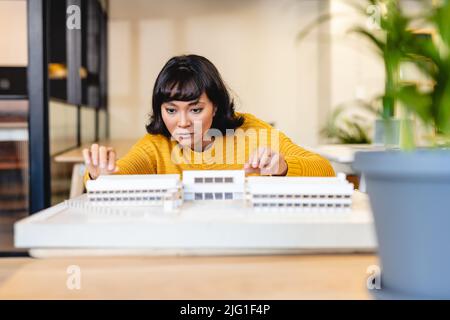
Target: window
column 229, row 180
column 208, row 180
column 208, row 196
column 218, row 180
column 198, row 196
column 198, row 180
column 228, row 195
column 218, row 196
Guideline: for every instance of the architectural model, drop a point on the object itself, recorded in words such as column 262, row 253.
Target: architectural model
column 261, row 193
column 213, row 184
column 136, row 190
column 129, row 213
column 299, row 193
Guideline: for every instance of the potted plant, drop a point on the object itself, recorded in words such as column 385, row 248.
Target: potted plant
column 409, row 191
column 350, row 122
column 390, row 38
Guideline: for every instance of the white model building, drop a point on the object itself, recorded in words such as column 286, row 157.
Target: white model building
column 136, row 190
column 300, row 193
column 214, row 184
column 115, row 217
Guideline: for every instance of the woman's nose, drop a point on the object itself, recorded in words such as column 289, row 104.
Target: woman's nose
column 183, row 121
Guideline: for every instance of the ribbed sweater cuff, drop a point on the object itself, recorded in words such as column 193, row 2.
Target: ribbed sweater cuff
column 295, row 167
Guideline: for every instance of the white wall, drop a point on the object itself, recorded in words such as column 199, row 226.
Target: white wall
column 13, row 33
column 252, row 42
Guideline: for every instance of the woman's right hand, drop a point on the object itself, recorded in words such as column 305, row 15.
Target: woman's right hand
column 100, row 160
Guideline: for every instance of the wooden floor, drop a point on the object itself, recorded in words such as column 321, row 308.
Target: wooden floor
column 232, row 277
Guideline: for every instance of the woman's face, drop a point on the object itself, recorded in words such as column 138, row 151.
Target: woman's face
column 188, row 121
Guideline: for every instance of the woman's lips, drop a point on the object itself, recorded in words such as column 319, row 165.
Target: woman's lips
column 184, row 135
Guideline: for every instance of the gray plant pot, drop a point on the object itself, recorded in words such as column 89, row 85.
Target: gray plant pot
column 410, row 199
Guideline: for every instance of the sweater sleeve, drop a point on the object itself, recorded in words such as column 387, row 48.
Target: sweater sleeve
column 139, row 160
column 300, row 162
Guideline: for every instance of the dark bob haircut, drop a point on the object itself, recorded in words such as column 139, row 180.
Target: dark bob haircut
column 185, row 78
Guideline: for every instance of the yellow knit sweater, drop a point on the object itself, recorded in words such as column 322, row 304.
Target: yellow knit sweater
column 157, row 154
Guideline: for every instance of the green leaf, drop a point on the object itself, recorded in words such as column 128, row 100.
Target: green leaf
column 379, row 44
column 417, row 102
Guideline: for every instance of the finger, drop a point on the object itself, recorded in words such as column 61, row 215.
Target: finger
column 248, row 164
column 86, row 156
column 265, row 159
column 111, row 159
column 88, row 162
column 273, row 167
column 250, row 170
column 102, row 157
column 94, row 154
column 257, row 157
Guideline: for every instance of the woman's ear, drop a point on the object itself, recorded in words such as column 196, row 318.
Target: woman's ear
column 215, row 109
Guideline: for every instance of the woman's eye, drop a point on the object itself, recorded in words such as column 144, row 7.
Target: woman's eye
column 170, row 110
column 196, row 110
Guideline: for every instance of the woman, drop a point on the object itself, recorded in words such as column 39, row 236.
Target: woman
column 194, row 127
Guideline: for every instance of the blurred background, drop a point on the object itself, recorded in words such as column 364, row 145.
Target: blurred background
column 70, row 77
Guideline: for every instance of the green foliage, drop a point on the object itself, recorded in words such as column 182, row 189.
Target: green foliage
column 391, row 41
column 396, row 43
column 432, row 56
column 349, row 129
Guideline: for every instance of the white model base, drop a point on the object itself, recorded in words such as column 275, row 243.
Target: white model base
column 198, row 226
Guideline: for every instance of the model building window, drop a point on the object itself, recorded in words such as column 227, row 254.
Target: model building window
column 208, row 180
column 208, row 196
column 228, row 195
column 218, row 180
column 198, row 196
column 218, row 196
column 229, row 180
column 198, row 180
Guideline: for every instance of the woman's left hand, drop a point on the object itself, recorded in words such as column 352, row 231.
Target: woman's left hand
column 266, row 162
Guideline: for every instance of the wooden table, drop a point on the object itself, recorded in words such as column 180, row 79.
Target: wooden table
column 75, row 156
column 220, row 277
